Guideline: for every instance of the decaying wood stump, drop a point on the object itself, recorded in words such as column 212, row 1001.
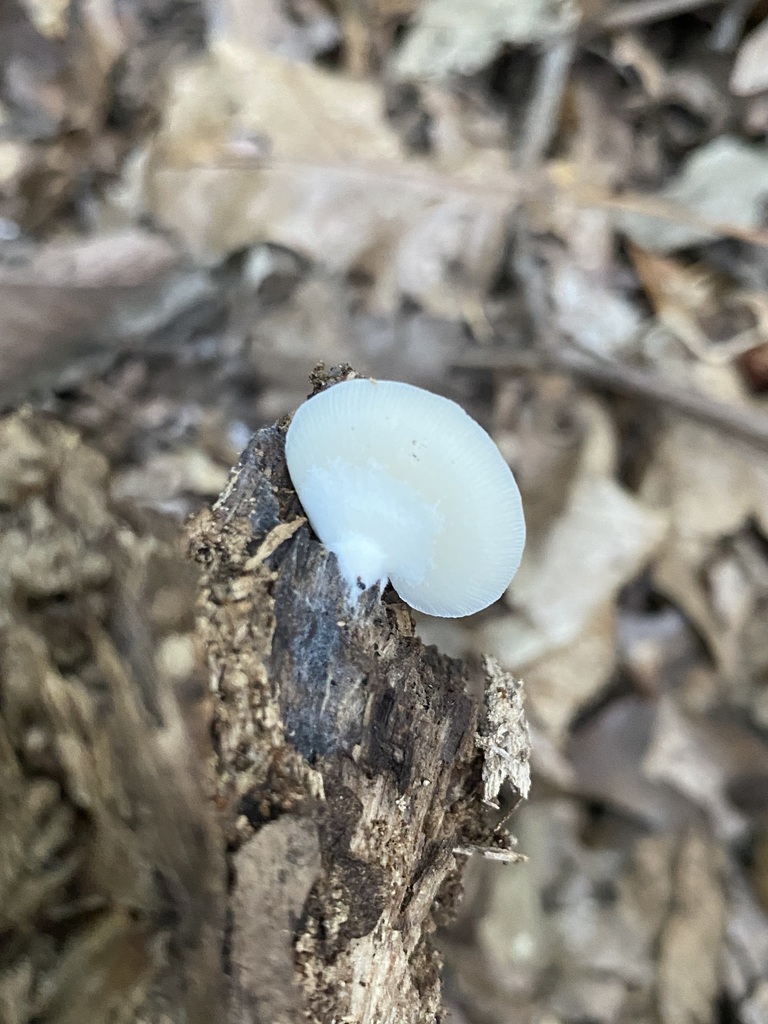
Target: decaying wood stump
column 354, row 770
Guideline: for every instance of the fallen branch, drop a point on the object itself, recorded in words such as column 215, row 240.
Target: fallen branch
column 742, row 423
column 354, row 769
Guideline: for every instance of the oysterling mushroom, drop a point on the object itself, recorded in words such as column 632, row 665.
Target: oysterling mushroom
column 403, row 485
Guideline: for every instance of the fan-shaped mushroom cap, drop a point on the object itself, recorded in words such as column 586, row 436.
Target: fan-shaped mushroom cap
column 402, row 484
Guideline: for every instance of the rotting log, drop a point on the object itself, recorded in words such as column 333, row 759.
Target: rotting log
column 355, row 770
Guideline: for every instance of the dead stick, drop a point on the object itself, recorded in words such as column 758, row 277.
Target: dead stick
column 745, row 424
column 354, row 770
column 639, row 12
column 544, row 112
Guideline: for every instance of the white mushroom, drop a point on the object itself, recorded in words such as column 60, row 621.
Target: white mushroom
column 403, row 485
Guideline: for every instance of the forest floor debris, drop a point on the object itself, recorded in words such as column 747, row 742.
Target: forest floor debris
column 555, row 214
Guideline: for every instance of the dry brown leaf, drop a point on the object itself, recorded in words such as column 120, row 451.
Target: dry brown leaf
column 690, row 947
column 561, row 681
column 598, row 318
column 274, row 25
column 562, row 633
column 710, row 484
column 463, row 36
column 750, row 70
column 601, row 541
column 724, row 182
column 689, row 299
column 629, row 51
column 701, row 760
column 119, row 259
column 607, row 753
column 70, row 299
column 50, row 17
column 646, row 889
column 169, row 475
column 255, row 148
column 714, row 488
column 723, row 589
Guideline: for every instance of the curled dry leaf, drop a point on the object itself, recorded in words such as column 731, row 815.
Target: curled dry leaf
column 607, row 754
column 711, row 566
column 563, row 681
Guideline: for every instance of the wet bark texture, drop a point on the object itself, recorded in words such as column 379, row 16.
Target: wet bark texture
column 354, row 769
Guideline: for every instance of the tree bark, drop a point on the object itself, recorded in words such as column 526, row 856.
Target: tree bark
column 355, row 771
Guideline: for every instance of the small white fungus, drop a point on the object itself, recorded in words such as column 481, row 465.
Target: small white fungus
column 403, row 485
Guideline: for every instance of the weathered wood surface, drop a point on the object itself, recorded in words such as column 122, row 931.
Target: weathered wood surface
column 355, row 771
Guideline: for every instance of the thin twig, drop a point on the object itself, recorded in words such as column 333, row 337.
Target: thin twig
column 667, row 210
column 729, row 27
column 639, row 12
column 746, row 424
column 544, row 110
